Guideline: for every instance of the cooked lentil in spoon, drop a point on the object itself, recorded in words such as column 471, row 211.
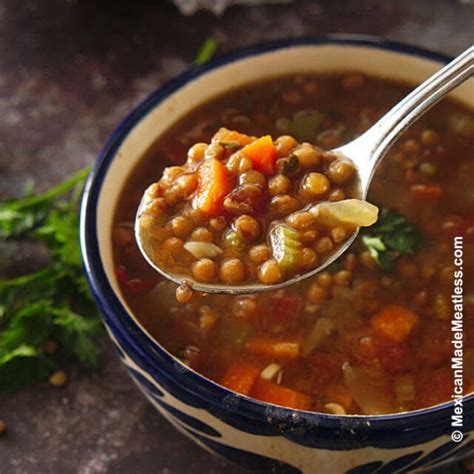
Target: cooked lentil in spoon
column 243, row 209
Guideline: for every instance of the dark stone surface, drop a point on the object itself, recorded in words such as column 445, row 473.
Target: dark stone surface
column 69, row 71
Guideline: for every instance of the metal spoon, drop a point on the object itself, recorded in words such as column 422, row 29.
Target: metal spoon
column 366, row 152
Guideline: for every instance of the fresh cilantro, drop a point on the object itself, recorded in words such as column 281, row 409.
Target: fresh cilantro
column 206, row 51
column 22, row 366
column 390, row 237
column 54, row 303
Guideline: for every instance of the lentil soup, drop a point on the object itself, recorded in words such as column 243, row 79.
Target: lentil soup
column 372, row 334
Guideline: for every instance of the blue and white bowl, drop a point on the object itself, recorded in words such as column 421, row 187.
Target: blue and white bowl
column 252, row 433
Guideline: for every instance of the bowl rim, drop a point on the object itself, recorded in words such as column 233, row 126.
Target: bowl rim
column 118, row 318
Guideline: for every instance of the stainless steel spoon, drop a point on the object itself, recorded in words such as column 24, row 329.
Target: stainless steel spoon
column 366, row 152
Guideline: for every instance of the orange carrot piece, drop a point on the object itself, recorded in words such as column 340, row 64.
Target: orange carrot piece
column 341, row 395
column 274, row 349
column 263, row 154
column 214, row 185
column 425, row 191
column 224, row 135
column 241, row 376
column 278, row 395
column 395, row 322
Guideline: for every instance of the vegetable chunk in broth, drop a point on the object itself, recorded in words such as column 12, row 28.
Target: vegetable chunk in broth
column 372, row 334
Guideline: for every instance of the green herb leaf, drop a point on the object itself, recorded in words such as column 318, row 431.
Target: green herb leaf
column 390, row 237
column 78, row 334
column 21, row 367
column 18, row 216
column 289, row 166
column 29, row 325
column 206, row 51
column 52, row 304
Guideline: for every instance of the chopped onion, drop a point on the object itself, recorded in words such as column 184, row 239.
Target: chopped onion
column 321, row 329
column 335, row 409
column 404, row 388
column 369, row 388
column 202, row 249
column 353, row 212
column 270, row 371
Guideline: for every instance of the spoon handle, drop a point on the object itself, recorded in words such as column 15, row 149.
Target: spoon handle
column 367, row 150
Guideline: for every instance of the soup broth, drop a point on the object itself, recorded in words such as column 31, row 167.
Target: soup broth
column 372, row 334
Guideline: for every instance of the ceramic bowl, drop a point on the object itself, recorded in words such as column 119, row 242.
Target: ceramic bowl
column 255, row 434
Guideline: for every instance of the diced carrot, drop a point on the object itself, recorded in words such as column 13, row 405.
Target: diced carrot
column 278, row 395
column 241, row 376
column 263, row 154
column 338, row 393
column 425, row 191
column 214, row 185
column 274, row 349
column 395, row 322
column 223, row 135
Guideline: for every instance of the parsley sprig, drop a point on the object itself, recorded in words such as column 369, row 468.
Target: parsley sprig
column 54, row 303
column 391, row 237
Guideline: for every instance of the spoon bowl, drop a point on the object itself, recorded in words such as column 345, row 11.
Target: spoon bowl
column 366, row 152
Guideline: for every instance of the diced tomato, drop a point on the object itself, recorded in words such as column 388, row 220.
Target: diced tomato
column 121, row 274
column 241, row 376
column 263, row 154
column 278, row 395
column 138, row 285
column 214, row 184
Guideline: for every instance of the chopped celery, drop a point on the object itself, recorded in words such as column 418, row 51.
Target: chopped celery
column 235, row 240
column 305, row 124
column 286, row 247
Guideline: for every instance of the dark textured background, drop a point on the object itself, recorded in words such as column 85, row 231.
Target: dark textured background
column 69, row 71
